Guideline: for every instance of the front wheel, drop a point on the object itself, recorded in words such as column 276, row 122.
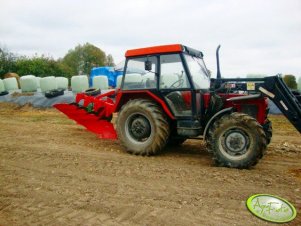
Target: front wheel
column 268, row 129
column 142, row 127
column 236, row 141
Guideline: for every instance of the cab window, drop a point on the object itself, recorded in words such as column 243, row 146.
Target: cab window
column 136, row 77
column 173, row 75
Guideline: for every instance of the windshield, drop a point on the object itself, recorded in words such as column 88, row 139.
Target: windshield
column 198, row 71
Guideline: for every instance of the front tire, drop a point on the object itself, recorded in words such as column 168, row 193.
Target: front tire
column 268, row 129
column 142, row 127
column 236, row 141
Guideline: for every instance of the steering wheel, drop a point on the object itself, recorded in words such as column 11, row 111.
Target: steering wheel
column 179, row 83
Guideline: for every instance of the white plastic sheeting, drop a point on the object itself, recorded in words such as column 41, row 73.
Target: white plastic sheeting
column 48, row 83
column 79, row 83
column 10, row 84
column 38, row 99
column 62, row 83
column 101, row 82
column 2, row 88
column 28, row 83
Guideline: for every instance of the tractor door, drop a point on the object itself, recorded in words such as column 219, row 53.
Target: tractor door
column 200, row 80
column 174, row 85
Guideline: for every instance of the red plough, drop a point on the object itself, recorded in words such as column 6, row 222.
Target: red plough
column 92, row 112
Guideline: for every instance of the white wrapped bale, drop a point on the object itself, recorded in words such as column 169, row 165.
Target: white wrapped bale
column 119, row 80
column 28, row 83
column 62, row 83
column 101, row 82
column 79, row 83
column 10, row 84
column 2, row 88
column 48, row 83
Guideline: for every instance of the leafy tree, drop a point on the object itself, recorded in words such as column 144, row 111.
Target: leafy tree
column 110, row 61
column 290, row 81
column 82, row 58
column 41, row 66
column 7, row 61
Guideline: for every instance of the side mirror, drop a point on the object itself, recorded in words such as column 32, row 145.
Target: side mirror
column 148, row 65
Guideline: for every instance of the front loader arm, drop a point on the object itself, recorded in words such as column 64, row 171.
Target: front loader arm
column 284, row 99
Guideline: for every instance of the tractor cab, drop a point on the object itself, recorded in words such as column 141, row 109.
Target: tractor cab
column 175, row 73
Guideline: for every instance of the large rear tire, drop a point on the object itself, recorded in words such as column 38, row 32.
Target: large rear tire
column 236, row 141
column 142, row 127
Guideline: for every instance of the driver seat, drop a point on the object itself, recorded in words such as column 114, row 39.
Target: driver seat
column 177, row 104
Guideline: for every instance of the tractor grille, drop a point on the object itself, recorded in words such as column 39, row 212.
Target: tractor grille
column 250, row 109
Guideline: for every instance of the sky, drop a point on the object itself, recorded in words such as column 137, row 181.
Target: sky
column 257, row 37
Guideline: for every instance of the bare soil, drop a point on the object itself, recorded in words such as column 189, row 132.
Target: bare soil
column 54, row 172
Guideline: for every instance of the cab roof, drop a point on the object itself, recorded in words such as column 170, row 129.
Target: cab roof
column 174, row 48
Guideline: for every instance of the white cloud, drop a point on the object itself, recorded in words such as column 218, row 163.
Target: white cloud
column 256, row 36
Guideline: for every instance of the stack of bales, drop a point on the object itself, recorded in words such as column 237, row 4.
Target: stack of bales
column 31, row 83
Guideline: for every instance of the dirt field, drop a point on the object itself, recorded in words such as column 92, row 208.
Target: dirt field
column 54, row 172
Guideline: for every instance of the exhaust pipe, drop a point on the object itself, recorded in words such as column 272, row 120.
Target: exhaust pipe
column 218, row 81
column 218, row 74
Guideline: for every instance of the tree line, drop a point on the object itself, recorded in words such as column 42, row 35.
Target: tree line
column 79, row 60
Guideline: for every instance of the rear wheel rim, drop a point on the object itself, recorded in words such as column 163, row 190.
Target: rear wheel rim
column 138, row 128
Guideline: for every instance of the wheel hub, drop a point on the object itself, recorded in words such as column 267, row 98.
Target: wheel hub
column 236, row 142
column 140, row 128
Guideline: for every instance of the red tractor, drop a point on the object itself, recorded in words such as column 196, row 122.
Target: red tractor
column 167, row 96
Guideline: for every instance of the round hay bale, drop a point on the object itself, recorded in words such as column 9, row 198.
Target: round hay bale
column 101, row 82
column 28, row 83
column 79, row 83
column 10, row 84
column 48, row 83
column 62, row 83
column 13, row 75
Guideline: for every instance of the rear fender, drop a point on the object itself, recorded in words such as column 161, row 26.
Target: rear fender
column 216, row 116
column 124, row 96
